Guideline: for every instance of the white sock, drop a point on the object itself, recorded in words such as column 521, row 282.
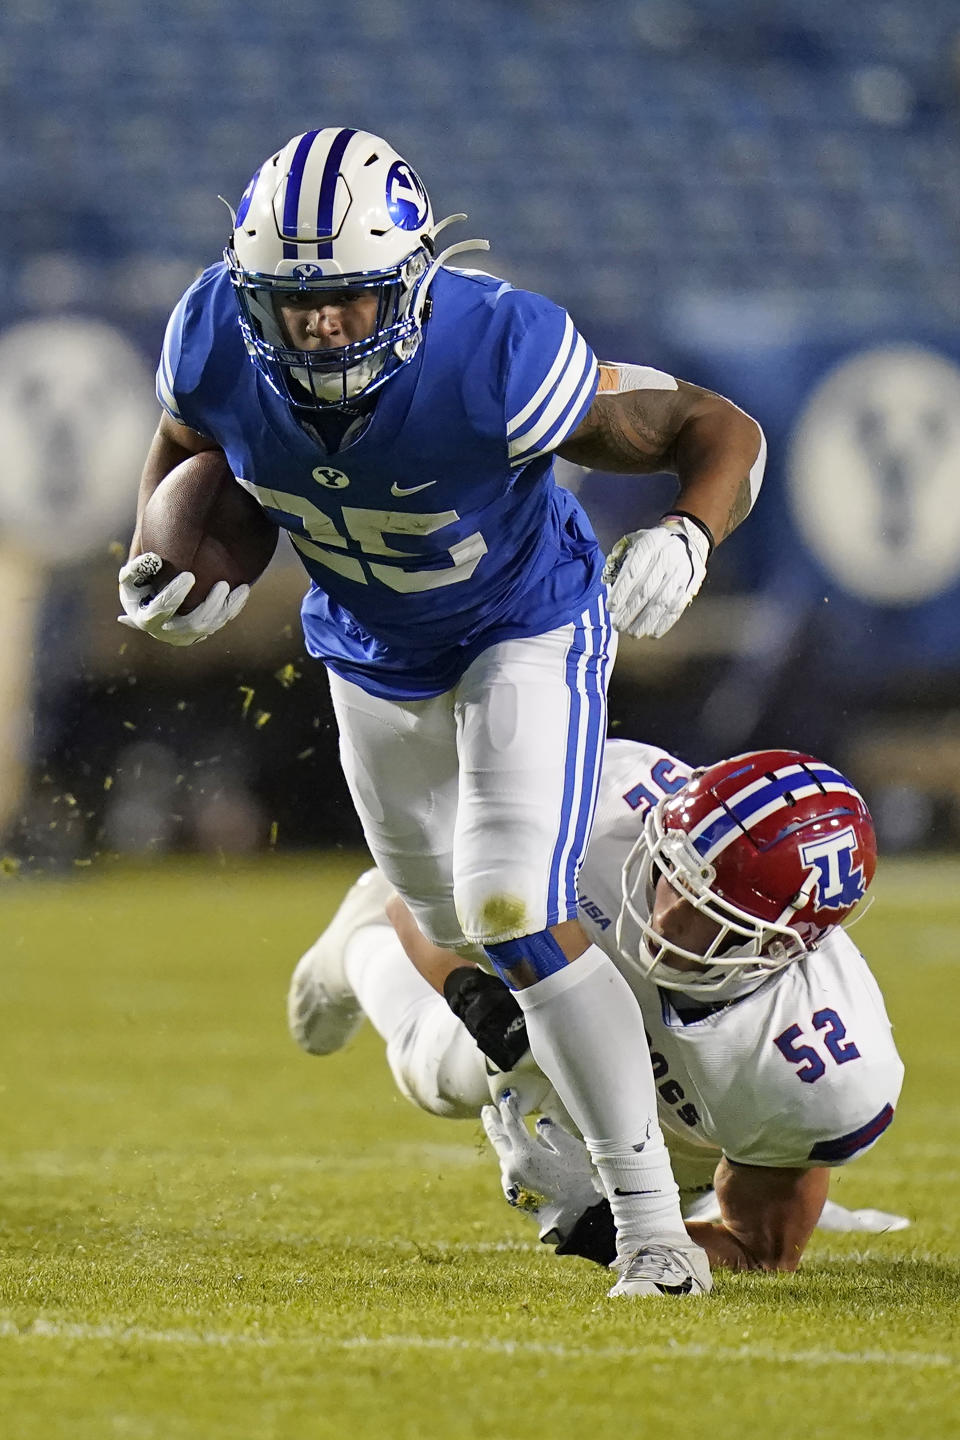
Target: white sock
column 383, row 978
column 434, row 1061
column 586, row 1034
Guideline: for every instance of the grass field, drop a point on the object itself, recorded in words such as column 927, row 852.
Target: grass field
column 207, row 1234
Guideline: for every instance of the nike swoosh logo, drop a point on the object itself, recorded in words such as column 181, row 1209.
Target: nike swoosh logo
column 618, row 1191
column 400, row 493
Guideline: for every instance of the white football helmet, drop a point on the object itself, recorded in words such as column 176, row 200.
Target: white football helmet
column 335, row 210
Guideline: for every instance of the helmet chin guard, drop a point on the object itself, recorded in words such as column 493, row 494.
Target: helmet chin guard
column 334, row 210
column 774, row 847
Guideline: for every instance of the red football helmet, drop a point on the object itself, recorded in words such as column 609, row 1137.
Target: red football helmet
column 774, row 846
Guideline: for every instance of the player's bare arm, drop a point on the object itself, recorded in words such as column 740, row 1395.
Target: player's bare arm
column 705, row 440
column 171, row 444
column 433, row 962
column 149, row 600
column 767, row 1216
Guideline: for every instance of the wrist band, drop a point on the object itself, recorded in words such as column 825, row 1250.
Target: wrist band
column 701, row 525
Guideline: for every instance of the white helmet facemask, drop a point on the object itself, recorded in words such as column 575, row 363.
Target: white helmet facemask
column 334, row 211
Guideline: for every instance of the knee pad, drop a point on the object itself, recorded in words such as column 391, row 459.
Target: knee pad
column 541, row 952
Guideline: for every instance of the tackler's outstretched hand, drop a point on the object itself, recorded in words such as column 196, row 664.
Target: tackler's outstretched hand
column 546, row 1173
column 654, row 574
column 155, row 611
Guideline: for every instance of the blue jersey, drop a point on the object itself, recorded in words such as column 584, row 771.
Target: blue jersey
column 439, row 530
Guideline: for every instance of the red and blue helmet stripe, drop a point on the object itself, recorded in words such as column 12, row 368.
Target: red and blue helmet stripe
column 777, row 790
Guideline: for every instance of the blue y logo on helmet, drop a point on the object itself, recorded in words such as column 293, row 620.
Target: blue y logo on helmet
column 406, row 196
column 245, row 199
column 839, row 882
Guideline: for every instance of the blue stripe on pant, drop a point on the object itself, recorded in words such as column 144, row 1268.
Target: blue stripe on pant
column 588, row 663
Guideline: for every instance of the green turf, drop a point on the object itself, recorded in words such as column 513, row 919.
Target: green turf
column 207, row 1234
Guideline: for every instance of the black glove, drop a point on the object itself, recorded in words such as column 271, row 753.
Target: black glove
column 594, row 1236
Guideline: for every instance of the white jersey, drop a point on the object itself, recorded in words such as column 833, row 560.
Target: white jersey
column 802, row 1071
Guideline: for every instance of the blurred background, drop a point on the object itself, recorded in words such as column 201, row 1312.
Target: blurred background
column 761, row 198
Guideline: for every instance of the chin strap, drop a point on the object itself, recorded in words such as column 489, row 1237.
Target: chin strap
column 405, row 348
column 862, row 909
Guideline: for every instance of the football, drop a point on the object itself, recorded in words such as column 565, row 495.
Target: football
column 199, row 519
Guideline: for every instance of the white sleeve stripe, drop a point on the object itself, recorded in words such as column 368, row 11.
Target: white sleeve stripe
column 563, row 408
column 555, row 369
column 165, row 366
column 167, row 398
column 540, row 441
column 571, row 419
column 757, row 469
column 556, row 403
column 165, row 370
column 174, row 328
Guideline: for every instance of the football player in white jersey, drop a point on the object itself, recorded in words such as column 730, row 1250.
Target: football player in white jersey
column 399, row 418
column 719, row 895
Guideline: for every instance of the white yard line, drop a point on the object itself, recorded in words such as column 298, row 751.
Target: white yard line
column 681, row 1350
column 48, row 1163
column 134, row 1334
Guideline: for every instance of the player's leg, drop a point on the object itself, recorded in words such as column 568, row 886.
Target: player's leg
column 323, row 1011
column 401, row 765
column 532, row 715
column 434, row 1061
column 358, row 968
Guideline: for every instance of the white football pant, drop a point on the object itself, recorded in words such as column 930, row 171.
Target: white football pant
column 477, row 804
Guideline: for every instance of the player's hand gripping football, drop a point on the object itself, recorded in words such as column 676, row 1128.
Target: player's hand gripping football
column 547, row 1174
column 654, row 574
column 154, row 611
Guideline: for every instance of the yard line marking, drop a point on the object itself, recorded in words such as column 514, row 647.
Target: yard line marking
column 415, row 1152
column 444, row 1247
column 41, row 1329
column 658, row 1351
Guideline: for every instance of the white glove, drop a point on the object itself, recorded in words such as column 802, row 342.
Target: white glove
column 548, row 1174
column 870, row 1222
column 654, row 574
column 154, row 612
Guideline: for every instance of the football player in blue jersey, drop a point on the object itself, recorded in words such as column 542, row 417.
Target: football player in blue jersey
column 399, row 418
